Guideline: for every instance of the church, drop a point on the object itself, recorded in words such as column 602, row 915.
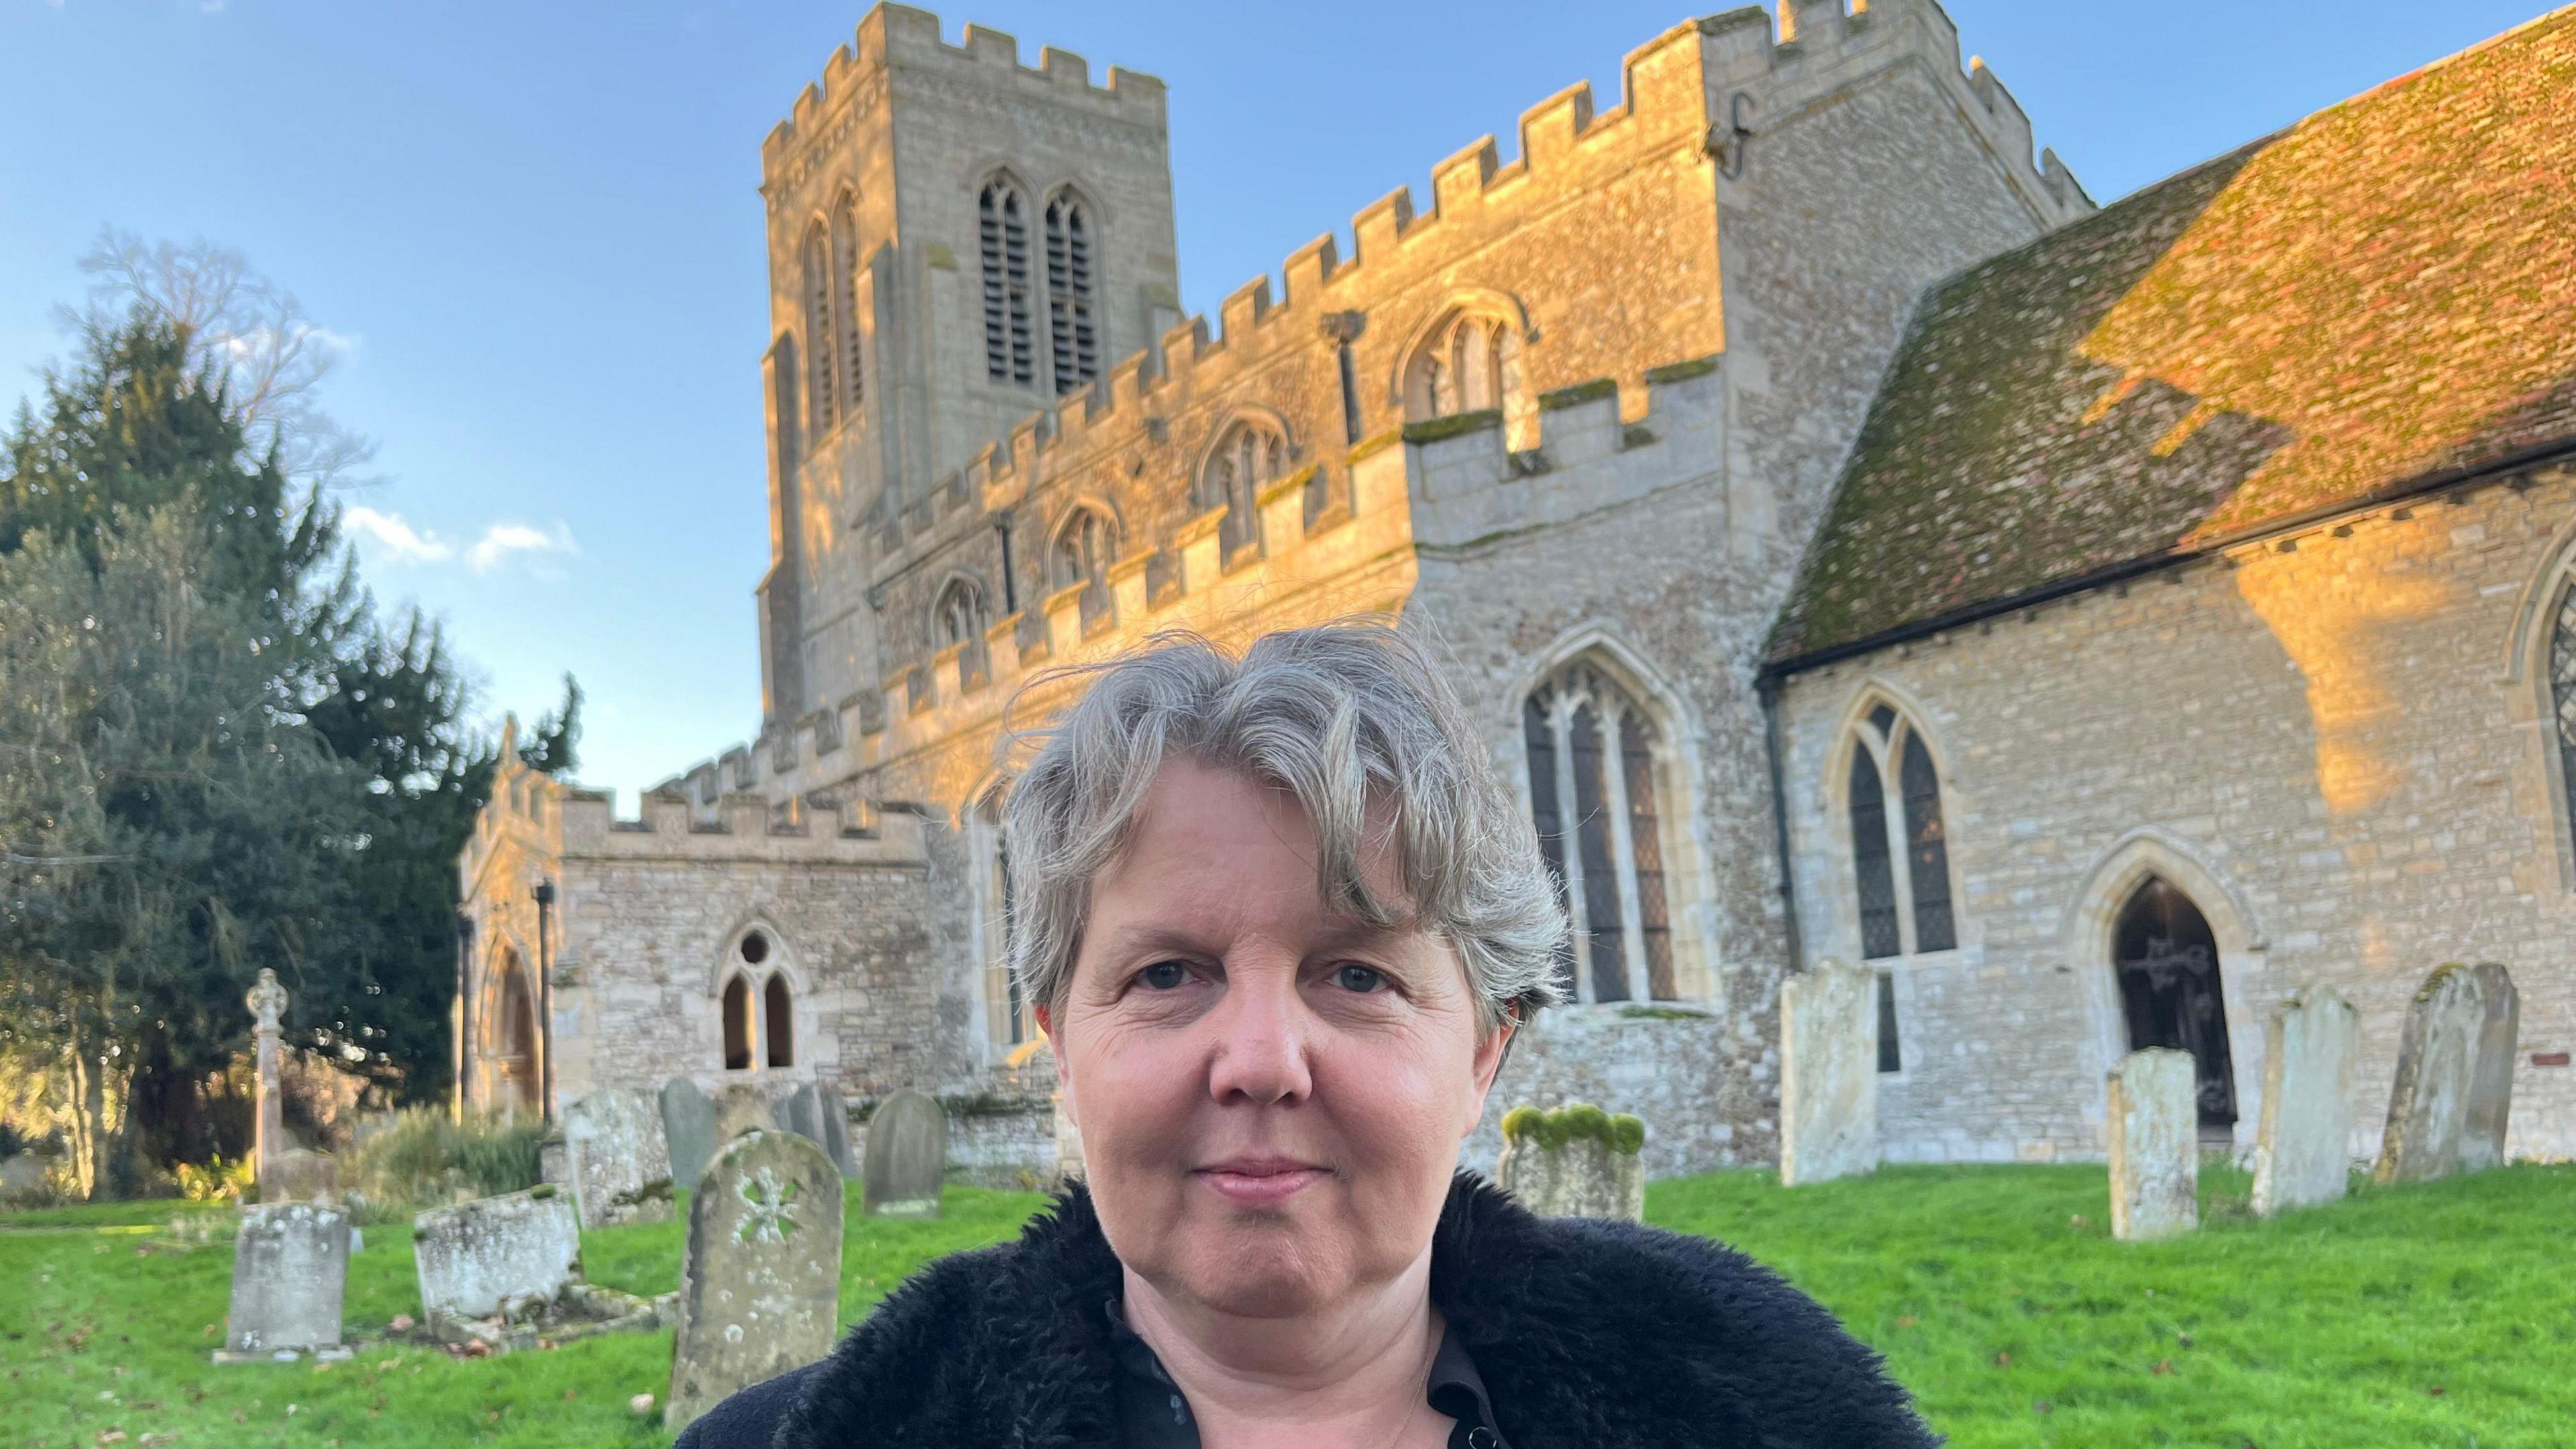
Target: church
column 1855, row 543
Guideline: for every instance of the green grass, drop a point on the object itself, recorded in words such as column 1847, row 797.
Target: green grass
column 2331, row 1327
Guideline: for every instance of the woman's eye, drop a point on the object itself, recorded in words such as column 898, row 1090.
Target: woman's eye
column 1358, row 978
column 1163, row 976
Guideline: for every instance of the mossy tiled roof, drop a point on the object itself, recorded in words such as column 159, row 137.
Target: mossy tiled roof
column 2385, row 291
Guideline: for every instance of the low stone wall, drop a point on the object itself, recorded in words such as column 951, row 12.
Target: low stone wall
column 1660, row 1061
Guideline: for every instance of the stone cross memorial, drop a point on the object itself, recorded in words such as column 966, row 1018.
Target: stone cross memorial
column 2155, row 1145
column 907, row 1157
column 1575, row 1162
column 290, row 1267
column 2454, row 1089
column 485, row 1257
column 616, row 1160
column 760, row 1273
column 267, row 1003
column 688, row 1130
column 816, row 1112
column 2303, row 1149
column 1828, row 1073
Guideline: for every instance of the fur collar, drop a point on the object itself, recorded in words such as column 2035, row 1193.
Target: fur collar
column 1586, row 1333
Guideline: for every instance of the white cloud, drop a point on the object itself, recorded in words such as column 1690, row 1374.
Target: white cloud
column 405, row 543
column 400, row 542
column 504, row 539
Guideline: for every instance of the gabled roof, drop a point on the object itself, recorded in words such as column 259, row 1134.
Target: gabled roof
column 2383, row 292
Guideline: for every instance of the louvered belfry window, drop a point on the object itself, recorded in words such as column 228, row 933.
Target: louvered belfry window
column 1073, row 326
column 1003, row 231
column 820, row 393
column 1902, row 910
column 1595, row 794
column 845, row 305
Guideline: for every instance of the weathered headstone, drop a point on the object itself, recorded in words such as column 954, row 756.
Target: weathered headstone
column 742, row 1107
column 817, row 1113
column 2155, row 1145
column 1575, row 1162
column 2303, row 1149
column 481, row 1258
column 290, row 1268
column 688, row 1129
column 760, row 1275
column 907, row 1158
column 1828, row 1073
column 267, row 1003
column 2454, row 1089
column 615, row 1157
column 297, row 1175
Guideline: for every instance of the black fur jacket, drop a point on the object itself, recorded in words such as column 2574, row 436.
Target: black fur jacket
column 1587, row 1334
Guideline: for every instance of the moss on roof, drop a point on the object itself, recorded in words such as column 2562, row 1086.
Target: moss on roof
column 2385, row 290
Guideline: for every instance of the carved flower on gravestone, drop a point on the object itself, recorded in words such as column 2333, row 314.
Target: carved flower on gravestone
column 769, row 1215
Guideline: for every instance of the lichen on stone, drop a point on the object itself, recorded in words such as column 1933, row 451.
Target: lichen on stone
column 1575, row 1121
column 1581, row 392
column 1433, row 430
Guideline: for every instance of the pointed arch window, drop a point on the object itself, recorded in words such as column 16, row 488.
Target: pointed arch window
column 2562, row 694
column 1248, row 457
column 822, row 393
column 1073, row 325
column 959, row 616
column 778, row 1023
column 1002, row 231
column 845, row 304
column 737, row 1025
column 1008, row 1021
column 757, row 1006
column 1893, row 795
column 1081, row 555
column 1596, row 782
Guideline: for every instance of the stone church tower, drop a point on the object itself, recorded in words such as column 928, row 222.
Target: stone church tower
column 1575, row 416
column 916, row 319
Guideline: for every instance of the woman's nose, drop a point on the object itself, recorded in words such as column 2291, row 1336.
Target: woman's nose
column 1259, row 1054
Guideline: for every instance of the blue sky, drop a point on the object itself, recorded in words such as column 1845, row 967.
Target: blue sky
column 535, row 226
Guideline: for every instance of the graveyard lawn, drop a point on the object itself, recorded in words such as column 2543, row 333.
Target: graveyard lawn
column 2428, row 1314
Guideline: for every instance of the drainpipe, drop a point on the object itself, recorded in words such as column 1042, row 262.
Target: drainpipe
column 1767, row 689
column 464, row 1009
column 545, row 896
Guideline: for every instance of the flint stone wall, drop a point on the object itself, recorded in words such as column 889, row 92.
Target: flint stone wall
column 476, row 1256
column 2342, row 753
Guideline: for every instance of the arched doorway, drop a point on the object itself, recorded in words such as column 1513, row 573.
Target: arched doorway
column 2166, row 958
column 515, row 1035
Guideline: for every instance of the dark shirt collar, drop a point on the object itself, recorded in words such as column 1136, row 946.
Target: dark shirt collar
column 1153, row 1414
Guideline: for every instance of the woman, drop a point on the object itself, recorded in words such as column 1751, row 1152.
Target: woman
column 1283, row 919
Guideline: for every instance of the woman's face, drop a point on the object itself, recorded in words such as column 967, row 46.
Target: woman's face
column 1271, row 1095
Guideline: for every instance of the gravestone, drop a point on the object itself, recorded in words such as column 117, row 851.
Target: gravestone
column 290, row 1267
column 817, row 1113
column 2155, row 1145
column 760, row 1274
column 742, row 1107
column 486, row 1257
column 615, row 1157
column 688, row 1130
column 296, row 1175
column 267, row 1003
column 2303, row 1149
column 2454, row 1090
column 907, row 1157
column 1576, row 1162
column 1828, row 1073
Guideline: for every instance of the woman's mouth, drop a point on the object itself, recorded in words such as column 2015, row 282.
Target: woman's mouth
column 1260, row 1181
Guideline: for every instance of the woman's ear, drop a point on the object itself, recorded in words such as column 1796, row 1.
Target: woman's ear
column 1055, row 1048
column 1489, row 1059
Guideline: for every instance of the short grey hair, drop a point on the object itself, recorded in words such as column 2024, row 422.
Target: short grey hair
column 1354, row 720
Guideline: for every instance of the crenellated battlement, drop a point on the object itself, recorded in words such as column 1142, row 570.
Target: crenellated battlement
column 901, row 36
